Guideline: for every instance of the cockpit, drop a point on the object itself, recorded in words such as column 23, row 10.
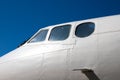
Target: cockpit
column 62, row 32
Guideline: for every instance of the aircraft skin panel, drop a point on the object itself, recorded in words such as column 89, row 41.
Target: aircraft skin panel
column 55, row 66
column 34, row 63
column 108, row 24
column 109, row 55
column 83, row 56
column 27, row 68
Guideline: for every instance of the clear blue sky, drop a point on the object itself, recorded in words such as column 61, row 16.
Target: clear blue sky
column 20, row 19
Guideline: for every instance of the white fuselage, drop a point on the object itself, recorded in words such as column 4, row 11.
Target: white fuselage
column 69, row 59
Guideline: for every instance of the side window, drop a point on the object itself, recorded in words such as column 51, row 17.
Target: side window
column 60, row 33
column 85, row 29
column 40, row 36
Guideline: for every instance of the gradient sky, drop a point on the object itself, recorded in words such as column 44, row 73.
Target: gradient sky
column 20, row 19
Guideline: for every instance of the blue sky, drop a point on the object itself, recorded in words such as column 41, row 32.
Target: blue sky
column 20, row 19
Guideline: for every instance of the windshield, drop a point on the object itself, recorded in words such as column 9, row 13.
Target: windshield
column 60, row 33
column 41, row 36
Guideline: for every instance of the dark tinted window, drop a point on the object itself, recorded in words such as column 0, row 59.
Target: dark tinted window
column 60, row 33
column 85, row 29
column 40, row 36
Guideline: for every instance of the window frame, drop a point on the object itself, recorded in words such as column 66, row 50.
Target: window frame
column 37, row 34
column 78, row 24
column 57, row 27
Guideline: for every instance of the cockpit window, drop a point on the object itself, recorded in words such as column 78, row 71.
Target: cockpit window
column 60, row 33
column 85, row 29
column 40, row 36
